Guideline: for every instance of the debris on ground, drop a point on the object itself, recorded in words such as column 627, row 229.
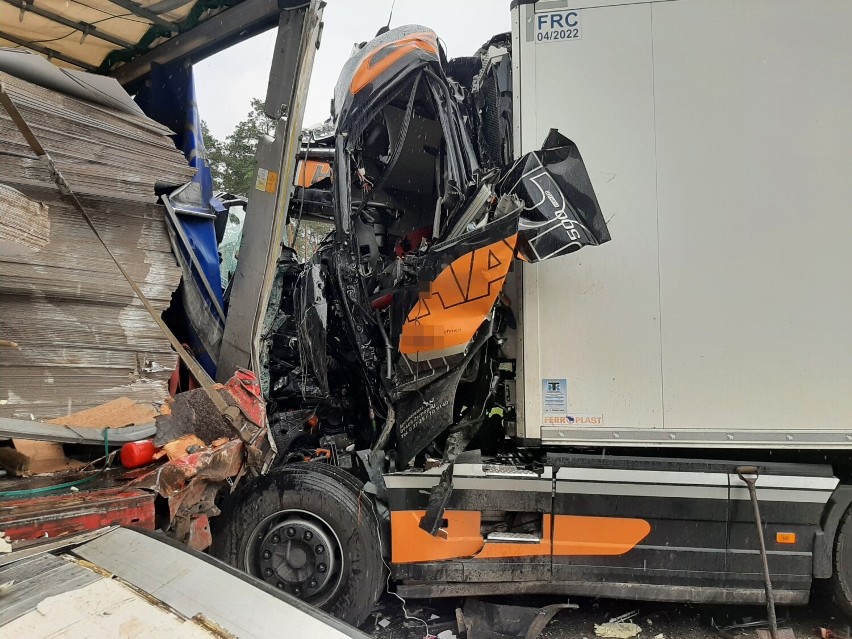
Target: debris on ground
column 37, row 453
column 617, row 629
column 627, row 616
column 486, row 620
column 780, row 633
column 37, row 458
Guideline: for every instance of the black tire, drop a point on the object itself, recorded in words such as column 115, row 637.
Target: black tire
column 252, row 535
column 840, row 583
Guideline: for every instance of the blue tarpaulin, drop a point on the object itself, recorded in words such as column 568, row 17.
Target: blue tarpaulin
column 169, row 98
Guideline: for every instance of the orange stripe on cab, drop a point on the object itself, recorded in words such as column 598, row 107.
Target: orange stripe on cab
column 383, row 58
column 446, row 317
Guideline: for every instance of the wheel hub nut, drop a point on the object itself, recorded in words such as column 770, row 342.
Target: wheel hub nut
column 297, row 556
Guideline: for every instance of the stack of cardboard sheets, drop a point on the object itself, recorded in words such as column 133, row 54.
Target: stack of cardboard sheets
column 24, row 224
column 82, row 336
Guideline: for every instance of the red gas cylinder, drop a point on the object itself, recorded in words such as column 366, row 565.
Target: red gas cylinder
column 136, row 454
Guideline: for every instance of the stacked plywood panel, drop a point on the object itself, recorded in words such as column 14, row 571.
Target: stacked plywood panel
column 83, row 338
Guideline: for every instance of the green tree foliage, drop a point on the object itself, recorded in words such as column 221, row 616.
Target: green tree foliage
column 215, row 155
column 310, row 234
column 232, row 160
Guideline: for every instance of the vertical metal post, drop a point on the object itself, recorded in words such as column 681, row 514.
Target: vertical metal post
column 268, row 202
column 749, row 475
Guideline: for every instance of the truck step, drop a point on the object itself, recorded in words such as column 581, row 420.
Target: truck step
column 514, row 538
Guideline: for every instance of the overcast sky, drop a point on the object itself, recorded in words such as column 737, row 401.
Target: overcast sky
column 228, row 81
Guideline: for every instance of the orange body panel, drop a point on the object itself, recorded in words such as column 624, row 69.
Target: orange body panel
column 410, row 543
column 311, row 172
column 383, row 58
column 457, row 302
column 572, row 535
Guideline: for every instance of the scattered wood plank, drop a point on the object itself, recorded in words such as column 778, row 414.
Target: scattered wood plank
column 44, row 457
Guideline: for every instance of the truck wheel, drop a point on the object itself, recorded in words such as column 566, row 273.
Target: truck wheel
column 308, row 533
column 840, row 583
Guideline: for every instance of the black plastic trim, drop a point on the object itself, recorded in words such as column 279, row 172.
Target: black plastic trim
column 631, row 591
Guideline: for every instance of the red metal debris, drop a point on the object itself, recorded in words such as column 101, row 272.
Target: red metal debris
column 245, row 389
column 236, row 443
column 58, row 515
column 199, row 536
column 191, row 483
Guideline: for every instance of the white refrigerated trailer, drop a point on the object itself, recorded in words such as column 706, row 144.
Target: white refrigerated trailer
column 717, row 138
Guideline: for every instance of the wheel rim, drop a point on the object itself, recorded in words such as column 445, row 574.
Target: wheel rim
column 297, row 552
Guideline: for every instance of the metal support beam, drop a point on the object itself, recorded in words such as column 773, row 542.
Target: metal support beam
column 50, row 53
column 83, row 27
column 233, row 25
column 142, row 12
column 266, row 212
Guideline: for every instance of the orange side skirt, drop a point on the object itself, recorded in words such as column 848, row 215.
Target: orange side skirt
column 572, row 536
